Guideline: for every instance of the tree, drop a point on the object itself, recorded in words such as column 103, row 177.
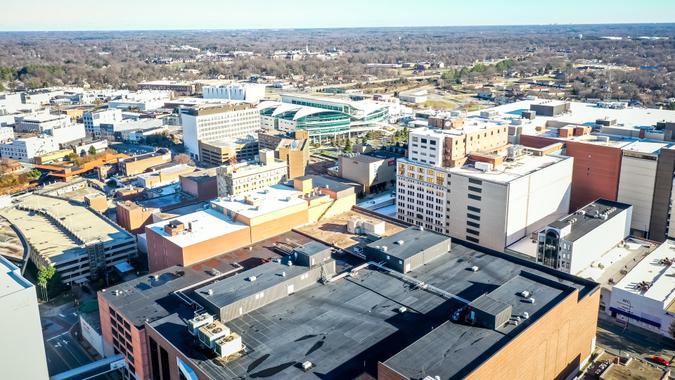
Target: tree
column 348, row 146
column 183, row 159
column 45, row 275
column 92, row 150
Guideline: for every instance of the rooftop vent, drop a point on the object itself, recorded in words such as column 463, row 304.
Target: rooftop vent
column 400, row 242
column 252, row 278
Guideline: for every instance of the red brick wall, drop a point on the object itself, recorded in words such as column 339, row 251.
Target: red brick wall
column 596, row 173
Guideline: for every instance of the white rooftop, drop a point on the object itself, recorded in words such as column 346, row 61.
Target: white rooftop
column 206, row 225
column 588, row 113
column 270, row 199
column 647, row 147
column 11, row 280
column 651, row 269
column 509, row 171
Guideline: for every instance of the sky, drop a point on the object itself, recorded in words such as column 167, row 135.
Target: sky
column 18, row 15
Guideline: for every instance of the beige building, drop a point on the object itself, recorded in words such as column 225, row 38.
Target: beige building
column 225, row 151
column 241, row 178
column 292, row 148
column 138, row 164
column 373, row 172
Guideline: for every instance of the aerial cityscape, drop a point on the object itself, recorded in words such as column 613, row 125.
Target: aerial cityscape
column 370, row 190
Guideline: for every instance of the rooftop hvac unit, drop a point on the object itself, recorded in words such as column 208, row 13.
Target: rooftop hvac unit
column 200, row 320
column 483, row 166
column 213, row 331
column 228, row 345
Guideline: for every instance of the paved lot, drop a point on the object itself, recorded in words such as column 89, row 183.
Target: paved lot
column 64, row 353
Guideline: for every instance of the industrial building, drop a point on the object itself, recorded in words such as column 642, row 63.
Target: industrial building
column 201, row 184
column 23, row 353
column 207, row 123
column 81, row 244
column 504, row 318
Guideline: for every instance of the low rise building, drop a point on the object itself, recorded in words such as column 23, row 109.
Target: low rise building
column 133, row 217
column 63, row 135
column 202, row 184
column 6, row 134
column 163, row 175
column 93, row 119
column 121, row 130
column 182, row 88
column 375, row 171
column 240, row 178
column 247, row 92
column 40, row 122
column 228, row 151
column 141, row 100
column 572, row 243
column 645, row 297
column 140, row 163
column 26, row 149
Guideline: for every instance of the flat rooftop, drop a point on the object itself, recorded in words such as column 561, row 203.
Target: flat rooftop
column 11, row 280
column 206, row 225
column 237, row 287
column 588, row 113
column 509, row 171
column 144, row 298
column 51, row 240
column 349, row 325
column 333, row 230
column 608, row 269
column 656, row 269
column 409, row 242
column 588, row 218
column 270, row 199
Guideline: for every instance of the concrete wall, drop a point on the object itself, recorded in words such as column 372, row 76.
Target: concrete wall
column 596, row 173
column 663, row 191
column 23, row 353
column 636, row 187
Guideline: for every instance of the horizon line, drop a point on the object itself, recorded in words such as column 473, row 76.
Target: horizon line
column 325, row 28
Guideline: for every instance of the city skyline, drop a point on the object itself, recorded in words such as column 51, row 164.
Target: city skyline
column 33, row 15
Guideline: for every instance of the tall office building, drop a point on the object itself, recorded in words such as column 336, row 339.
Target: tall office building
column 467, row 183
column 207, row 123
column 23, row 351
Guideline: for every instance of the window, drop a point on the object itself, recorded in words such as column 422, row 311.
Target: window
column 472, row 239
column 476, row 189
column 474, row 217
column 475, row 181
column 475, row 197
column 472, row 224
column 474, row 209
column 472, row 232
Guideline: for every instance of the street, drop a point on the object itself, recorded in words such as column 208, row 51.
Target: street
column 59, row 326
column 632, row 340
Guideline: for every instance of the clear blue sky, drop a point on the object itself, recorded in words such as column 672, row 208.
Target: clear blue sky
column 238, row 14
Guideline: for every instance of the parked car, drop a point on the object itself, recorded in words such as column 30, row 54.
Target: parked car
column 660, row 360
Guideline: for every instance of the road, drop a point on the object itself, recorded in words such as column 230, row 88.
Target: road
column 59, row 326
column 632, row 340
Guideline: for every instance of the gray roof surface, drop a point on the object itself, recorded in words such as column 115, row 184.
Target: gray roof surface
column 587, row 223
column 232, row 289
column 414, row 242
column 354, row 321
column 312, row 248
